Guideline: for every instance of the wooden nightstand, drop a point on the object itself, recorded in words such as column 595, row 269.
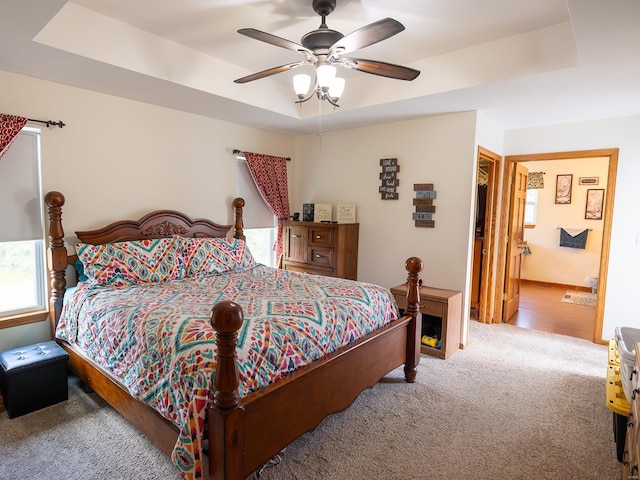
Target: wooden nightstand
column 441, row 313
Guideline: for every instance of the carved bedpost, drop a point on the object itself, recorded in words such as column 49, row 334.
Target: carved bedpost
column 225, row 416
column 414, row 266
column 238, row 205
column 57, row 255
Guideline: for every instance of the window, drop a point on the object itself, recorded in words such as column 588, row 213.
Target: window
column 260, row 223
column 22, row 246
column 531, row 207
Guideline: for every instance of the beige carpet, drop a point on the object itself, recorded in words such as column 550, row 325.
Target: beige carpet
column 579, row 298
column 516, row 404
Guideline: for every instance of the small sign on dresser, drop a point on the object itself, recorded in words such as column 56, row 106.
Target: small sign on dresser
column 346, row 214
column 307, row 212
column 322, row 212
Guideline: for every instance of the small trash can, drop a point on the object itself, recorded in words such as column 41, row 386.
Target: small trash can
column 33, row 377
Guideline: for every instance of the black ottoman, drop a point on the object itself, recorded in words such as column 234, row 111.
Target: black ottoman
column 33, row 377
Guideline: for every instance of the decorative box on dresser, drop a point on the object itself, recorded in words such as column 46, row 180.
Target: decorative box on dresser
column 329, row 249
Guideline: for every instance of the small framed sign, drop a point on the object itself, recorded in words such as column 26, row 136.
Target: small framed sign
column 588, row 180
column 346, row 214
column 322, row 212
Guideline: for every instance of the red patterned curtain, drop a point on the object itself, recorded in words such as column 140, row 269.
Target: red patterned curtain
column 10, row 126
column 270, row 175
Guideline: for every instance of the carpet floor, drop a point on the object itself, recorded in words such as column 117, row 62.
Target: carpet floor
column 514, row 404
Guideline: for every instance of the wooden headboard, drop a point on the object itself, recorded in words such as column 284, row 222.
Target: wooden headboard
column 158, row 224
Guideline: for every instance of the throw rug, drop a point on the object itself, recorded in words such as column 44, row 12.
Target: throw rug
column 580, row 298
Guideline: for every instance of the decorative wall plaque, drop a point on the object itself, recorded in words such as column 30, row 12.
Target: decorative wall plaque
column 389, row 178
column 425, row 209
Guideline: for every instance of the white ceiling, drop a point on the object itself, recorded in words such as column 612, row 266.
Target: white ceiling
column 521, row 63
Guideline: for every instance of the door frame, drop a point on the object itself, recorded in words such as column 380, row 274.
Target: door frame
column 510, row 161
column 488, row 270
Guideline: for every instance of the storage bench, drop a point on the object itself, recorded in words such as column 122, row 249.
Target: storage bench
column 33, row 377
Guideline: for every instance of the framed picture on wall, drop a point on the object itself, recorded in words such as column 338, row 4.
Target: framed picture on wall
column 595, row 201
column 563, row 188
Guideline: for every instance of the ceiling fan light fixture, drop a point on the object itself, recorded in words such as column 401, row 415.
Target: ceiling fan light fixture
column 323, row 48
column 336, row 89
column 301, row 84
column 326, row 74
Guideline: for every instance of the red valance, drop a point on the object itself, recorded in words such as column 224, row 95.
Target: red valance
column 10, row 126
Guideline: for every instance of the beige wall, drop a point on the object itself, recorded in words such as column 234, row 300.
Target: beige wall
column 346, row 168
column 549, row 262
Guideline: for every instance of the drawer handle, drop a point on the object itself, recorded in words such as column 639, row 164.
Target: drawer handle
column 296, row 236
column 318, row 237
column 319, row 256
column 633, row 372
column 635, row 392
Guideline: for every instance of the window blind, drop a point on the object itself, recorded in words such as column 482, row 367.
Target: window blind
column 21, row 209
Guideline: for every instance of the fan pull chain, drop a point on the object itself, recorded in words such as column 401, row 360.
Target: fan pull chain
column 319, row 134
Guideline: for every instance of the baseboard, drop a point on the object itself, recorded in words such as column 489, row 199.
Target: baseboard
column 580, row 288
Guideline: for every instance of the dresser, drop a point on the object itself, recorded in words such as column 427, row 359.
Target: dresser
column 329, row 249
column 631, row 453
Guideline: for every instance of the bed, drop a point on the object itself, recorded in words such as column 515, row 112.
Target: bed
column 244, row 417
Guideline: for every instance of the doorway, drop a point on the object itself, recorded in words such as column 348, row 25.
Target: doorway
column 484, row 247
column 511, row 162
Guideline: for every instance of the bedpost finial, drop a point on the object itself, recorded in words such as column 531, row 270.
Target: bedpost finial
column 54, row 199
column 238, row 202
column 226, row 317
column 414, row 265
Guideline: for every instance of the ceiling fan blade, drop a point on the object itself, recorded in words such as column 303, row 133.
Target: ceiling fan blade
column 268, row 72
column 368, row 35
column 381, row 68
column 272, row 39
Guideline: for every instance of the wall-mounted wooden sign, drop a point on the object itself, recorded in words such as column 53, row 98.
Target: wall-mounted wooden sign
column 389, row 178
column 425, row 194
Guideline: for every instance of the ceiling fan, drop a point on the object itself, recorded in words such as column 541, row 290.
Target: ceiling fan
column 325, row 47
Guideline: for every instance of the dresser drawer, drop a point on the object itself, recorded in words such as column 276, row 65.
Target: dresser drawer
column 321, row 257
column 427, row 307
column 292, row 267
column 321, row 236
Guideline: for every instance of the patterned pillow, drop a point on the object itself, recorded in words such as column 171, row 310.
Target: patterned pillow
column 128, row 263
column 213, row 256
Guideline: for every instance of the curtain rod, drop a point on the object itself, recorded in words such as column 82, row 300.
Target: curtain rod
column 238, row 152
column 48, row 123
column 590, row 229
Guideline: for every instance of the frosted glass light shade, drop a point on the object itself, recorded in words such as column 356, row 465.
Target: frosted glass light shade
column 301, row 83
column 337, row 88
column 326, row 75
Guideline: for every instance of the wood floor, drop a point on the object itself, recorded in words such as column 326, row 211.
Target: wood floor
column 541, row 309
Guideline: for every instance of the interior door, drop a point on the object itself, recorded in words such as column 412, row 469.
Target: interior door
column 516, row 241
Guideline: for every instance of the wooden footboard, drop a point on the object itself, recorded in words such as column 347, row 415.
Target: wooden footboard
column 244, row 433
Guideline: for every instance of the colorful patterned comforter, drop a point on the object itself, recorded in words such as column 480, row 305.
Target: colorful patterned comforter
column 158, row 340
